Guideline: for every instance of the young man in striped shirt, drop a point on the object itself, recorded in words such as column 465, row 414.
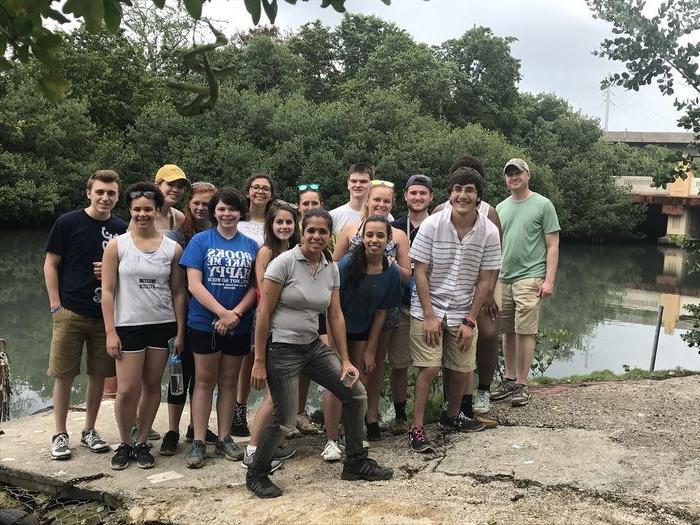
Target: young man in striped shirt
column 457, row 253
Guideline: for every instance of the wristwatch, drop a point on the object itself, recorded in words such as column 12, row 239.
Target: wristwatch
column 469, row 321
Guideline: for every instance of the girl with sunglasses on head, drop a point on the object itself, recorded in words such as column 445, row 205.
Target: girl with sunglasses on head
column 379, row 202
column 298, row 285
column 260, row 191
column 196, row 220
column 143, row 304
column 281, row 234
column 219, row 263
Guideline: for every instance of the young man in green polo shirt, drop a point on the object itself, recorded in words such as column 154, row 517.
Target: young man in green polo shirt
column 530, row 255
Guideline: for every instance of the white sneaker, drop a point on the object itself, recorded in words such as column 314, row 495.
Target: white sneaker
column 482, row 402
column 60, row 448
column 331, row 452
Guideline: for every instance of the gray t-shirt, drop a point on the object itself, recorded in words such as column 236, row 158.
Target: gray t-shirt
column 303, row 297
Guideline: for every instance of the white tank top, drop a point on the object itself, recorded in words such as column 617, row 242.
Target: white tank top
column 143, row 289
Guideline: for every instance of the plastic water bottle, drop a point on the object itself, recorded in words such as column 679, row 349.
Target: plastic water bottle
column 177, row 386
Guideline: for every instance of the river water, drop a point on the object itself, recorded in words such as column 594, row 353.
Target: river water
column 606, row 299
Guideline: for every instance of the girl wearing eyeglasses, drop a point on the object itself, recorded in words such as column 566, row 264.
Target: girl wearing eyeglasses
column 379, row 202
column 260, row 191
column 219, row 263
column 143, row 304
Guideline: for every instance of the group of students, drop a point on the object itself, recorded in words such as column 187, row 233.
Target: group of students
column 250, row 290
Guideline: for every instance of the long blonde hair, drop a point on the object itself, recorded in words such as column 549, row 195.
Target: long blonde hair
column 365, row 208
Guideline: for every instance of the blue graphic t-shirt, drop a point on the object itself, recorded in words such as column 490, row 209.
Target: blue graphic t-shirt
column 374, row 292
column 227, row 267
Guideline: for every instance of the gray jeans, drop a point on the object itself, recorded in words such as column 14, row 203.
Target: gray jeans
column 285, row 362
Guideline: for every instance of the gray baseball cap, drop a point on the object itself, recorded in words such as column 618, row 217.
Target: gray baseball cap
column 518, row 163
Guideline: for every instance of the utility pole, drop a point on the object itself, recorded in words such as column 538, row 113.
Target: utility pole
column 607, row 108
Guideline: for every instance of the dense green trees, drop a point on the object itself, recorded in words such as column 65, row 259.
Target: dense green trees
column 303, row 107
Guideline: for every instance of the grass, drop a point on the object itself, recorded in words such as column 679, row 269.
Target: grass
column 607, row 375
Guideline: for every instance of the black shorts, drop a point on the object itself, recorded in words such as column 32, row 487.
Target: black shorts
column 322, row 324
column 137, row 338
column 211, row 342
column 362, row 336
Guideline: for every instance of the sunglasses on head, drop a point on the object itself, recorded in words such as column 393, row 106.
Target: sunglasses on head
column 148, row 194
column 377, row 182
column 313, row 186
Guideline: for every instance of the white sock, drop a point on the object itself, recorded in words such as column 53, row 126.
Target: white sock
column 250, row 449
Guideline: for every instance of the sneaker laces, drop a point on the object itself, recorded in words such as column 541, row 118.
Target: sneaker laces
column 61, row 441
column 419, row 433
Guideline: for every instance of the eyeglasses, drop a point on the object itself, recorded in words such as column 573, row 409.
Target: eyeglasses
column 136, row 194
column 469, row 190
column 202, row 184
column 313, row 186
column 264, row 189
column 377, row 182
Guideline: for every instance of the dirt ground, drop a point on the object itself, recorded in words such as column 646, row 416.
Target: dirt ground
column 616, row 453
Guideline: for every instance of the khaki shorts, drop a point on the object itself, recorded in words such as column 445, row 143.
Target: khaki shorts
column 448, row 354
column 400, row 342
column 70, row 332
column 520, row 306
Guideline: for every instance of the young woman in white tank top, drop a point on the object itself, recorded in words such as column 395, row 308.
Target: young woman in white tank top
column 143, row 304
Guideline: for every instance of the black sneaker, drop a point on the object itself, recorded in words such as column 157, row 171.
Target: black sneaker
column 419, row 440
column 284, row 452
column 60, row 446
column 121, row 458
column 366, row 469
column 460, row 423
column 210, row 438
column 239, row 427
column 261, row 486
column 142, row 453
column 169, row 445
column 373, row 433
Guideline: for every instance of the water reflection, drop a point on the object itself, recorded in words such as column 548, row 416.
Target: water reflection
column 606, row 298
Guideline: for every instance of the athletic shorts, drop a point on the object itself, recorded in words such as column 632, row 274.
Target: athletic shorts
column 137, row 338
column 237, row 345
column 70, row 332
column 362, row 336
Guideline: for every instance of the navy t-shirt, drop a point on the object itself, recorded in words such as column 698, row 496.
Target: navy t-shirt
column 227, row 266
column 80, row 240
column 375, row 292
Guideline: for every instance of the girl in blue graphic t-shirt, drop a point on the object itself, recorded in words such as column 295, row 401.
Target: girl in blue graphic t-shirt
column 219, row 263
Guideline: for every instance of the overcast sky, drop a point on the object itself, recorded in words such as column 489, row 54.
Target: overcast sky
column 555, row 41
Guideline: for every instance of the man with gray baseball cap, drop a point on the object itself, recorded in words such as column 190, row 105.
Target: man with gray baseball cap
column 530, row 248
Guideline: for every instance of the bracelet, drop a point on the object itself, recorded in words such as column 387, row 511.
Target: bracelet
column 54, row 310
column 469, row 321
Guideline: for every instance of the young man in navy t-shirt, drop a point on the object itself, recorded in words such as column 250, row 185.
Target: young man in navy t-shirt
column 72, row 273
